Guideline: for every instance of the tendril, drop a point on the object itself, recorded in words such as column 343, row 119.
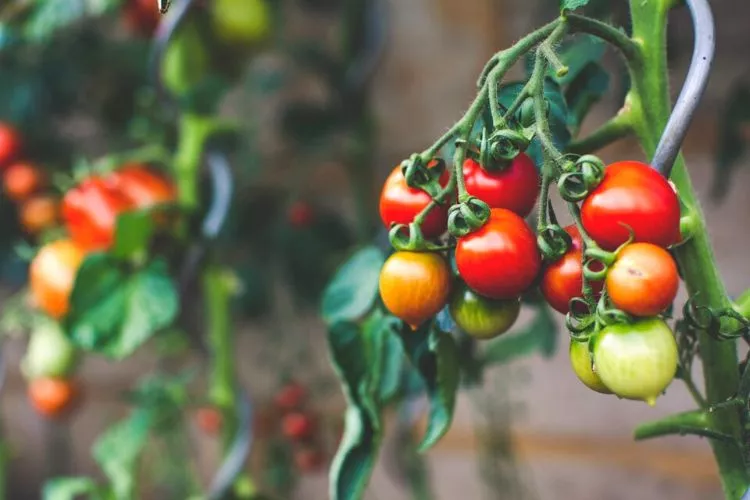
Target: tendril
column 580, row 178
column 409, row 237
column 721, row 324
column 467, row 216
column 553, row 242
column 421, row 176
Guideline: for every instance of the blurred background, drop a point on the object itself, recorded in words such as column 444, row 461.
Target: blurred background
column 533, row 431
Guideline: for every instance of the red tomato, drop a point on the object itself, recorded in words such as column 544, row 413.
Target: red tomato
column 633, row 195
column 21, row 180
column 290, row 397
column 209, row 420
column 308, row 459
column 562, row 280
column 516, row 187
column 297, row 426
column 90, row 213
column 52, row 397
column 142, row 16
column 142, row 187
column 501, row 259
column 38, row 213
column 10, row 144
column 644, row 280
column 52, row 275
column 399, row 204
column 300, row 215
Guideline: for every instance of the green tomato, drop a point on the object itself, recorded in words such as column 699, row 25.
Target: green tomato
column 636, row 361
column 185, row 61
column 580, row 360
column 480, row 317
column 49, row 353
column 241, row 21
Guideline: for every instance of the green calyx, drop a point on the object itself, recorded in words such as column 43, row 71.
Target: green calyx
column 467, row 216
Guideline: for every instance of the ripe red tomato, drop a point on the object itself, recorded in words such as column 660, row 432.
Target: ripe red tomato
column 399, row 204
column 52, row 397
column 633, row 195
column 10, row 144
column 290, row 397
column 516, row 187
column 501, row 259
column 90, row 213
column 38, row 213
column 141, row 186
column 300, row 215
column 308, row 459
column 142, row 16
column 562, row 280
column 415, row 286
column 644, row 280
column 297, row 426
column 52, row 274
column 209, row 420
column 21, row 180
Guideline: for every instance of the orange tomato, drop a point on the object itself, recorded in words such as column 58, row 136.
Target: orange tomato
column 52, row 397
column 39, row 213
column 209, row 420
column 10, row 144
column 21, row 180
column 415, row 286
column 52, row 274
column 141, row 186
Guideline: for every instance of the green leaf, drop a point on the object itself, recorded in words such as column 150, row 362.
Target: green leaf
column 68, row 488
column 435, row 355
column 540, row 334
column 51, row 16
column 114, row 311
column 734, row 136
column 385, row 354
column 133, row 233
column 354, row 288
column 576, row 54
column 566, row 5
column 584, row 91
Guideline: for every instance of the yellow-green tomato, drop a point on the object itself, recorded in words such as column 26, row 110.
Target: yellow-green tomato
column 185, row 61
column 480, row 317
column 580, row 360
column 49, row 352
column 241, row 21
column 638, row 360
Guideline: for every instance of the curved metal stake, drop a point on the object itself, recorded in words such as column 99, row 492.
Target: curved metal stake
column 695, row 84
column 238, row 452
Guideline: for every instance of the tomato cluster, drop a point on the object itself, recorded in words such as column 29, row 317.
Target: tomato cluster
column 615, row 258
column 299, row 427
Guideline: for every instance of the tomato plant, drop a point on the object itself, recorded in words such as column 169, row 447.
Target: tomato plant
column 583, row 367
column 52, row 397
column 483, row 318
column 52, row 274
column 514, row 187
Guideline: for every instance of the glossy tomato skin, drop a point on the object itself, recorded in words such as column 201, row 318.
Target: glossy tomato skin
column 515, row 187
column 52, row 397
column 636, row 361
column 480, row 317
column 634, row 195
column 141, row 186
column 10, row 145
column 21, row 180
column 241, row 21
column 52, row 274
column 39, row 213
column 142, row 16
column 501, row 259
column 291, row 397
column 90, row 212
column 49, row 352
column 415, row 286
column 399, row 204
column 562, row 280
column 580, row 361
column 297, row 426
column 644, row 280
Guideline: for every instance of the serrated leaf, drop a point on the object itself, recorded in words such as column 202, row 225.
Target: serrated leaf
column 132, row 233
column 354, row 288
column 435, row 356
column 68, row 488
column 566, row 5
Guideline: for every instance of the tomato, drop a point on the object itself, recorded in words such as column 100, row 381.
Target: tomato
column 632, row 195
column 90, row 212
column 399, row 204
column 10, row 144
column 141, row 186
column 636, row 361
column 308, row 459
column 186, row 60
column 643, row 281
column 580, row 360
column 38, row 213
column 52, row 397
column 516, row 187
column 21, row 180
column 241, row 21
column 290, row 397
column 415, row 286
column 562, row 280
column 52, row 274
column 297, row 426
column 142, row 16
column 483, row 318
column 501, row 259
column 209, row 420
column 300, row 215
column 49, row 353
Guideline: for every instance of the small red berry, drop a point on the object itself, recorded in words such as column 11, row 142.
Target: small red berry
column 297, row 426
column 290, row 397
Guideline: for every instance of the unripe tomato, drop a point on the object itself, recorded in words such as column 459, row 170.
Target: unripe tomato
column 515, row 187
column 483, row 318
column 241, row 21
column 209, row 420
column 52, row 274
column 632, row 195
column 10, row 144
column 90, row 212
column 562, row 280
column 141, row 186
column 186, row 60
column 39, row 213
column 580, row 360
column 21, row 180
column 638, row 360
column 644, row 280
column 297, row 426
column 290, row 397
column 415, row 286
column 142, row 16
column 52, row 397
column 49, row 353
column 399, row 204
column 501, row 259
column 308, row 459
